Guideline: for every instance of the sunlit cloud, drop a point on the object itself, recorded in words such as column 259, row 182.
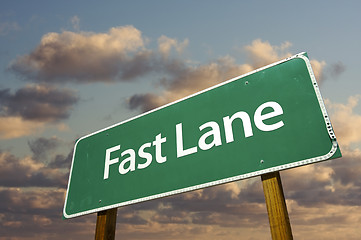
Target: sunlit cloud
column 346, row 122
column 15, row 127
column 261, row 53
column 84, row 56
column 165, row 45
column 318, row 67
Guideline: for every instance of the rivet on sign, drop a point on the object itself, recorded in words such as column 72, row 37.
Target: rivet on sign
column 100, row 201
column 246, row 82
column 262, row 161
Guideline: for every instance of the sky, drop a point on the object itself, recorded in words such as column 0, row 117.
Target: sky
column 70, row 68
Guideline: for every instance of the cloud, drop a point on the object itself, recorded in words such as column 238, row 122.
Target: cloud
column 335, row 70
column 345, row 121
column 146, row 102
column 182, row 79
column 62, row 161
column 121, row 55
column 315, row 188
column 15, row 127
column 84, row 57
column 318, row 67
column 325, row 221
column 227, row 210
column 165, row 45
column 21, row 200
column 29, row 212
column 261, row 53
column 40, row 147
column 37, row 103
column 323, row 71
column 33, row 108
column 28, row 172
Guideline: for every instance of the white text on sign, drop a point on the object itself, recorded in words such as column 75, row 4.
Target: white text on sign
column 128, row 162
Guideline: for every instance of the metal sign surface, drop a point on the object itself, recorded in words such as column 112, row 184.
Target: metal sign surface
column 267, row 120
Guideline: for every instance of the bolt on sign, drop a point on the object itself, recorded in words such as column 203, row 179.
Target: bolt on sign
column 267, row 120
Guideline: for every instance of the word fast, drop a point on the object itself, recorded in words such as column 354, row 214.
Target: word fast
column 214, row 132
column 131, row 159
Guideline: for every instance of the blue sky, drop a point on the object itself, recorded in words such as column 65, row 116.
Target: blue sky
column 50, row 96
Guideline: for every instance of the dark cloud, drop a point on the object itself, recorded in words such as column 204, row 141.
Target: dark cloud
column 34, row 201
column 26, row 213
column 61, row 161
column 145, row 102
column 38, row 103
column 27, row 172
column 333, row 182
column 347, row 170
column 139, row 65
column 41, row 146
column 335, row 70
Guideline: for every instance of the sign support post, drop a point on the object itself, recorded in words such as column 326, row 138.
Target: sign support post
column 106, row 223
column 276, row 206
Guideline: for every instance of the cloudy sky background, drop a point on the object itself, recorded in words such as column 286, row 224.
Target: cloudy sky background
column 69, row 69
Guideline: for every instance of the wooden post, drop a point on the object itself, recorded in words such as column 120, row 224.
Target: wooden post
column 276, row 207
column 106, row 222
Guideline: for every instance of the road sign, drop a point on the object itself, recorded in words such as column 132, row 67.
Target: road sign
column 267, row 120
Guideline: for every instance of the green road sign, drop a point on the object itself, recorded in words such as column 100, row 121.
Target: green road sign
column 268, row 120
